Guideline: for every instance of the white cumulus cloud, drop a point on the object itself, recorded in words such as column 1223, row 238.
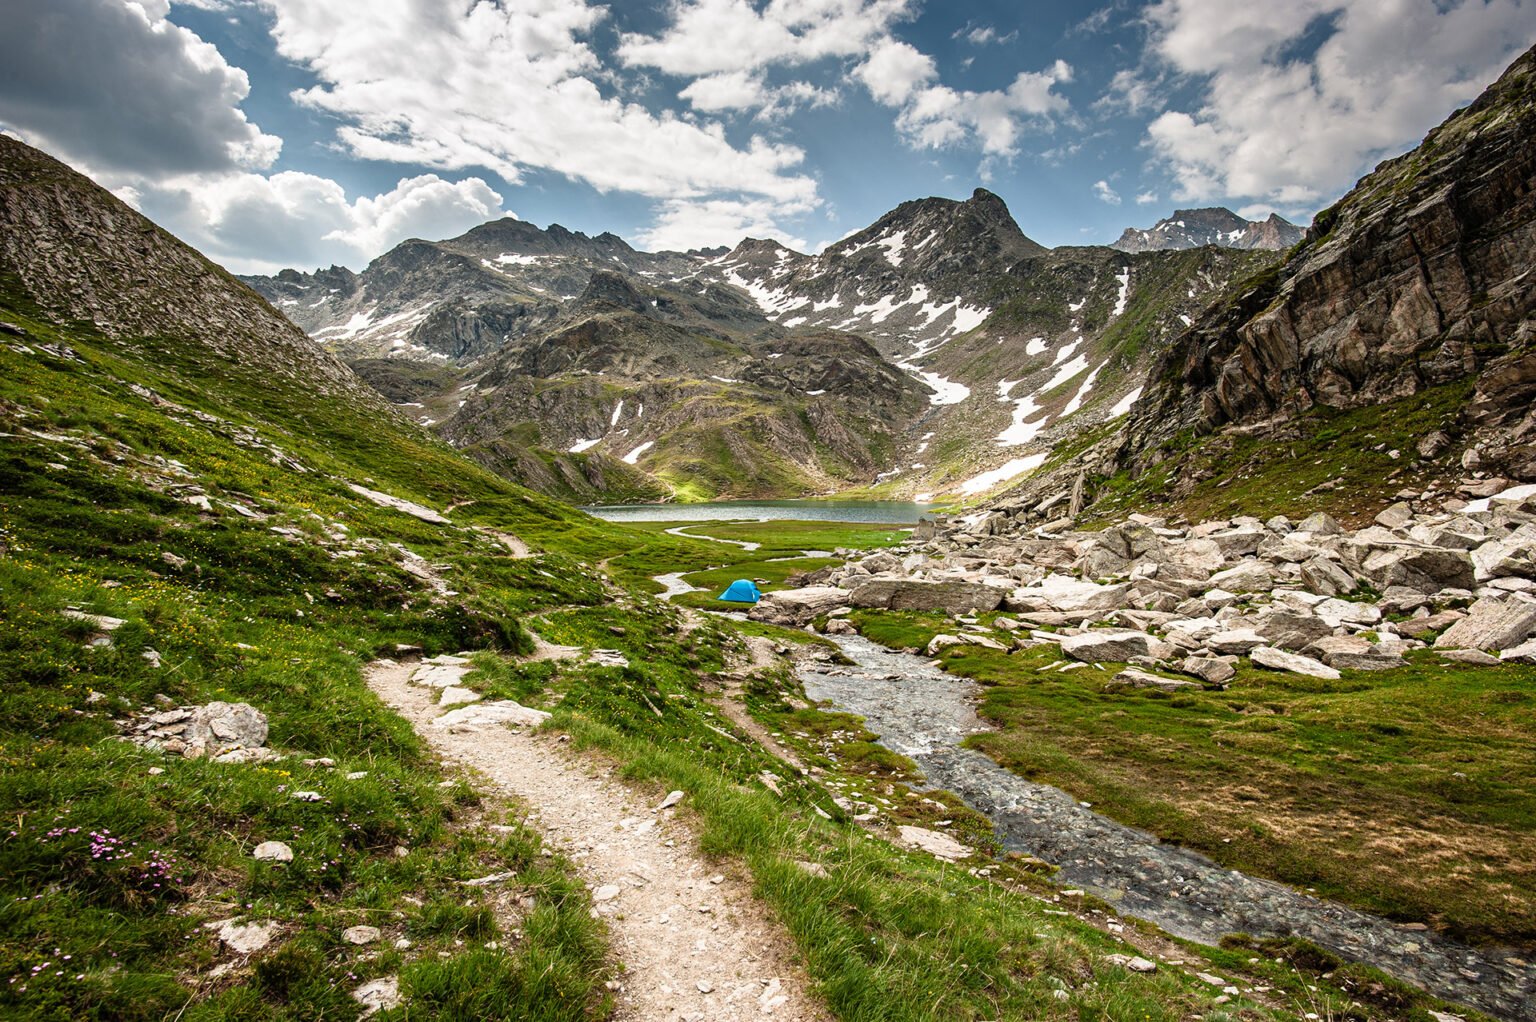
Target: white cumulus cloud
column 114, row 86
column 683, row 224
column 1291, row 128
column 1104, row 193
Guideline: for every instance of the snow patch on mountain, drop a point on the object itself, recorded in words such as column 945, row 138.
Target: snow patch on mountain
column 986, row 480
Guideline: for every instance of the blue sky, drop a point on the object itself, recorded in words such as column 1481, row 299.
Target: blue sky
column 302, row 132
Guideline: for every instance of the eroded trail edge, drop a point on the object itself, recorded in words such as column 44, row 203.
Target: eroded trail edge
column 694, row 943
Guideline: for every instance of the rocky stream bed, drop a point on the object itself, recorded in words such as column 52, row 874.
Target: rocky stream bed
column 925, row 714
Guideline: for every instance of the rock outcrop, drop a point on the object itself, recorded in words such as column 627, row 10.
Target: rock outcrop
column 1419, row 276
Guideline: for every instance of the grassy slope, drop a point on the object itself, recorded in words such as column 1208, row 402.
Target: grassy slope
column 1348, row 463
column 85, row 523
column 1407, row 792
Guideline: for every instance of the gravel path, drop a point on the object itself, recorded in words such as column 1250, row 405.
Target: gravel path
column 696, row 946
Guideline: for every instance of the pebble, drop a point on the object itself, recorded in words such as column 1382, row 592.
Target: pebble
column 607, row 892
column 360, row 934
column 273, row 851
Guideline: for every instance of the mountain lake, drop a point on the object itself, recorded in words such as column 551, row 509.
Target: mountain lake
column 892, row 512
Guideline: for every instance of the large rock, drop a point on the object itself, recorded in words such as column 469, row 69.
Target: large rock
column 1514, row 555
column 1101, row 646
column 1289, row 629
column 1197, row 555
column 1491, row 624
column 1240, row 541
column 908, row 594
column 1280, row 660
column 1320, row 524
column 1248, row 577
column 505, row 711
column 1427, row 569
column 1133, row 678
column 796, row 608
column 1418, row 627
column 219, row 727
column 1060, row 592
column 1235, row 641
column 1209, row 669
column 1327, row 578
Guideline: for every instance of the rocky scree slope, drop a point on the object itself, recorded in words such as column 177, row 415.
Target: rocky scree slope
column 82, row 254
column 1191, row 228
column 1420, row 277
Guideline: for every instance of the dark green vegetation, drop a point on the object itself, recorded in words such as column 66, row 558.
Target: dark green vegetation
column 1408, row 793
column 1348, row 463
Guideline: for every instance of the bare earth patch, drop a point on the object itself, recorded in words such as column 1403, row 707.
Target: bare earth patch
column 694, row 943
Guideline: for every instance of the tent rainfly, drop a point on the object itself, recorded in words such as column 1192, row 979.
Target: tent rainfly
column 743, row 590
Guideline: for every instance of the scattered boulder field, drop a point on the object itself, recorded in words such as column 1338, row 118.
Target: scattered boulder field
column 1183, row 604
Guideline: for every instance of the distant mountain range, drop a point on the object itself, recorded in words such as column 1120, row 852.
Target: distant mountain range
column 921, row 356
column 1191, row 228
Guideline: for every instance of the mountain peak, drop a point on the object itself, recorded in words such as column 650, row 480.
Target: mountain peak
column 1210, row 225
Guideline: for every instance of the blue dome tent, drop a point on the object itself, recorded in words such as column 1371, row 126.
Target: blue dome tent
column 743, row 590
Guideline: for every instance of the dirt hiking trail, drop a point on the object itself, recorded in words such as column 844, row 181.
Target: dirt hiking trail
column 695, row 945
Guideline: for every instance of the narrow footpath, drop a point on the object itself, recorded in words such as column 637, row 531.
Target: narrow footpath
column 694, row 943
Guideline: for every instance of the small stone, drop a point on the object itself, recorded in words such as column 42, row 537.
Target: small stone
column 672, row 799
column 273, row 851
column 156, row 771
column 306, row 796
column 246, row 938
column 378, row 995
column 705, row 986
column 607, row 892
column 360, row 934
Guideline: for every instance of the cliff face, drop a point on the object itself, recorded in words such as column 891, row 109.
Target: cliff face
column 1425, row 273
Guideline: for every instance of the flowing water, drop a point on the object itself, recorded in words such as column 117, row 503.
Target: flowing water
column 924, row 714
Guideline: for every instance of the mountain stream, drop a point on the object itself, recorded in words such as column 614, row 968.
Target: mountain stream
column 924, row 714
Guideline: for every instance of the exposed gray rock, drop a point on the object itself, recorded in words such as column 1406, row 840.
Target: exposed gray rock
column 272, row 851
column 1133, row 678
column 378, row 995
column 908, row 594
column 505, row 711
column 1059, row 592
column 1320, row 524
column 1249, row 577
column 1369, row 661
column 1525, row 653
column 1279, row 660
column 1347, row 645
column 1491, row 624
column 1288, row 629
column 1209, row 669
column 1428, row 569
column 219, row 727
column 361, row 935
column 1101, row 646
column 1327, row 578
column 1476, row 657
column 245, row 938
column 1419, row 627
column 796, row 608
column 1236, row 641
column 1513, row 555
